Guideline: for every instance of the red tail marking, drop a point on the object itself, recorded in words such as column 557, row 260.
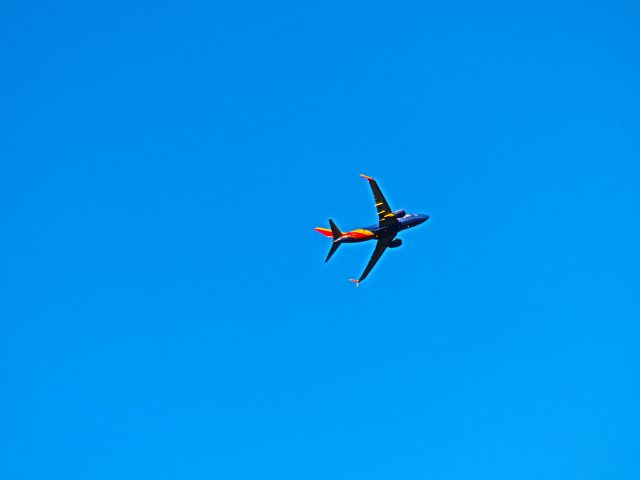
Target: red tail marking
column 324, row 231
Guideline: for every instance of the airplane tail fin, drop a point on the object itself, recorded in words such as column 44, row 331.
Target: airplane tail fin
column 337, row 234
column 333, row 232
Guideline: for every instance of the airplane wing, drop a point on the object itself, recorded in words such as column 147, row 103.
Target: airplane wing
column 381, row 246
column 385, row 215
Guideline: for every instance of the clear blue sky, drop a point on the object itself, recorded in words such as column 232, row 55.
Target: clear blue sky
column 165, row 309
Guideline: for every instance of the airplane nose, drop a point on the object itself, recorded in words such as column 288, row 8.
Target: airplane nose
column 424, row 218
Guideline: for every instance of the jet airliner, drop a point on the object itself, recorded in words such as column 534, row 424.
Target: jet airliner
column 389, row 225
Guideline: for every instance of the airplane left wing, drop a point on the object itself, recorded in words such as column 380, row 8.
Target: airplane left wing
column 381, row 246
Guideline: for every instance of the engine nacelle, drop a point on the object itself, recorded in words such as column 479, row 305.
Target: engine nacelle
column 395, row 243
column 399, row 213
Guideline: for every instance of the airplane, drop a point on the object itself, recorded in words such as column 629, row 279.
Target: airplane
column 389, row 225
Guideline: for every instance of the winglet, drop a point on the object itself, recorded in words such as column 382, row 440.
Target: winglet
column 366, row 177
column 357, row 282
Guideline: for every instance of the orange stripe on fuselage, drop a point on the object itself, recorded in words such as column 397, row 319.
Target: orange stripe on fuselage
column 360, row 234
column 357, row 234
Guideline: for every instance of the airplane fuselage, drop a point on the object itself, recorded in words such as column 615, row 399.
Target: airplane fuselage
column 375, row 232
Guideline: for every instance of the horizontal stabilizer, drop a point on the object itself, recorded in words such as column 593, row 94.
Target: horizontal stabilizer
column 333, row 233
column 335, row 230
column 332, row 250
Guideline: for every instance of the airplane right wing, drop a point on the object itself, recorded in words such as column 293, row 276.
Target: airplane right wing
column 385, row 215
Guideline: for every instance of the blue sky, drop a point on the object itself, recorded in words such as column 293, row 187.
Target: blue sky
column 166, row 312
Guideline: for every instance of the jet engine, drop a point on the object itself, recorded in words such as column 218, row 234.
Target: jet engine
column 395, row 243
column 399, row 213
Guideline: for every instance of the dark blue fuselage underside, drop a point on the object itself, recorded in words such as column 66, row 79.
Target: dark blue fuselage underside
column 408, row 221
